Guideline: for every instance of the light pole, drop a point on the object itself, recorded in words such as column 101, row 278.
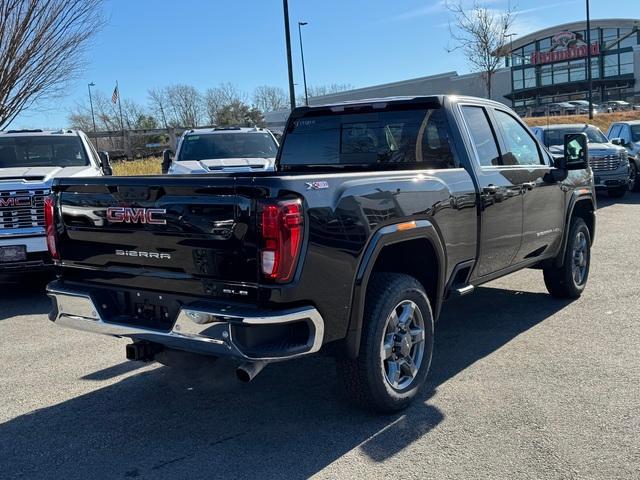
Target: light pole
column 287, row 37
column 589, row 76
column 93, row 118
column 304, row 72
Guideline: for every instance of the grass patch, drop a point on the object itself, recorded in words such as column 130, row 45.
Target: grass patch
column 145, row 166
column 600, row 120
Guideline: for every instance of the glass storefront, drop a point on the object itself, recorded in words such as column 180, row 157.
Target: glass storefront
column 554, row 68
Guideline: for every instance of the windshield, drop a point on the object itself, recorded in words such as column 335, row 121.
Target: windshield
column 228, row 145
column 556, row 135
column 414, row 137
column 635, row 133
column 45, row 151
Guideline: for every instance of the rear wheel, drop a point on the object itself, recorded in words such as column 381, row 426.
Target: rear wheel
column 569, row 280
column 396, row 345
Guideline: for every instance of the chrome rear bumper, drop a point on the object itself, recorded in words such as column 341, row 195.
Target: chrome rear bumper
column 208, row 329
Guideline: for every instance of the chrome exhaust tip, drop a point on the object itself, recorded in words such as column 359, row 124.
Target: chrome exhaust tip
column 249, row 370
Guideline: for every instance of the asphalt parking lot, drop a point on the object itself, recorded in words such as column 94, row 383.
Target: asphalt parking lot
column 522, row 386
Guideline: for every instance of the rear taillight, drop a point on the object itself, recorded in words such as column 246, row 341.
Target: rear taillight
column 281, row 227
column 50, row 227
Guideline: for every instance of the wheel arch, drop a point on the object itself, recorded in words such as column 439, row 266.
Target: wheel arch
column 395, row 248
column 582, row 206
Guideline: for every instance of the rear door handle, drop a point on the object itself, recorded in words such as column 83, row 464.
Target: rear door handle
column 490, row 189
column 529, row 185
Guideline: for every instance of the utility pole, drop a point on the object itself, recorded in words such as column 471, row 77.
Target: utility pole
column 589, row 76
column 304, row 72
column 287, row 36
column 93, row 117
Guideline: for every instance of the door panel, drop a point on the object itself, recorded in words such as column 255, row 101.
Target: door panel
column 543, row 199
column 500, row 197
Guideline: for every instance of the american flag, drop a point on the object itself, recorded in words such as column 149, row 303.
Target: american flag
column 116, row 94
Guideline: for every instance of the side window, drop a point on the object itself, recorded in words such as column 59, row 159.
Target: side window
column 481, row 135
column 614, row 132
column 624, row 133
column 434, row 149
column 520, row 148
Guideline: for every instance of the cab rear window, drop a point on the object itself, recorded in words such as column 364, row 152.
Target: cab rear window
column 402, row 138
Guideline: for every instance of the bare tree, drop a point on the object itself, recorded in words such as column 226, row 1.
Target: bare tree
column 42, row 46
column 185, row 103
column 270, row 99
column 480, row 33
column 159, row 104
column 217, row 98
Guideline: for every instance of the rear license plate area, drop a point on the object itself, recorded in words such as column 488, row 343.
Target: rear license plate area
column 139, row 308
column 13, row 253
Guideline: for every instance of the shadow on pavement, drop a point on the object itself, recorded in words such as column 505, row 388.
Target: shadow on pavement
column 289, row 423
column 631, row 198
column 23, row 295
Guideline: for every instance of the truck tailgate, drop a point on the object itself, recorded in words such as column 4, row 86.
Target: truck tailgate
column 184, row 232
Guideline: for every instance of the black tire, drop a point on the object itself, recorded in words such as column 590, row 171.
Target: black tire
column 636, row 186
column 633, row 174
column 561, row 282
column 365, row 378
column 617, row 192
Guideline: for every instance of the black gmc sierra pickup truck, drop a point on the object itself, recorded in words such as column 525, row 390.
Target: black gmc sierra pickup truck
column 378, row 211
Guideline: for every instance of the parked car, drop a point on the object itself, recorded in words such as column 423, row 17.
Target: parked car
column 562, row 108
column 222, row 150
column 609, row 162
column 29, row 161
column 582, row 106
column 617, row 106
column 627, row 135
column 378, row 211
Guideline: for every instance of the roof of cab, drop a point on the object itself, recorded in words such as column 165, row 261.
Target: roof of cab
column 436, row 98
column 219, row 130
column 37, row 133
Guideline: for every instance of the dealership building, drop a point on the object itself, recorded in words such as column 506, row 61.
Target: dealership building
column 541, row 68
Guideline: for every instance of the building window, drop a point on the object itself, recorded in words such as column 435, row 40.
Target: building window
column 630, row 41
column 595, row 67
column 544, row 45
column 518, row 83
column 546, row 77
column 516, row 57
column 626, row 63
column 609, row 37
column 611, row 65
column 577, row 70
column 527, row 50
column 530, row 77
column 561, row 72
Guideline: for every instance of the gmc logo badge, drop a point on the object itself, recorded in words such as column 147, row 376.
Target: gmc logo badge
column 136, row 215
column 15, row 202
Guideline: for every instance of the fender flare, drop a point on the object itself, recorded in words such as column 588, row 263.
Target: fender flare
column 385, row 236
column 578, row 196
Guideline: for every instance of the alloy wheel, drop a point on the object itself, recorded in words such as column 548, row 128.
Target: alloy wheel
column 402, row 346
column 580, row 258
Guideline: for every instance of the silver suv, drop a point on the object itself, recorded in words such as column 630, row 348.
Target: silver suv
column 627, row 135
column 29, row 161
column 609, row 162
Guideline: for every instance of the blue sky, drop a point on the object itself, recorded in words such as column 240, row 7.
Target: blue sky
column 154, row 43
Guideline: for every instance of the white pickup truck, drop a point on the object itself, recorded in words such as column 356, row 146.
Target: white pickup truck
column 222, row 150
column 29, row 161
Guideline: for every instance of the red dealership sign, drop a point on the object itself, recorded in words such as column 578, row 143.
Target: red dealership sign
column 565, row 46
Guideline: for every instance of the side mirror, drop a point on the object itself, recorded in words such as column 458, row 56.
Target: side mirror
column 105, row 164
column 617, row 141
column 576, row 151
column 167, row 156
